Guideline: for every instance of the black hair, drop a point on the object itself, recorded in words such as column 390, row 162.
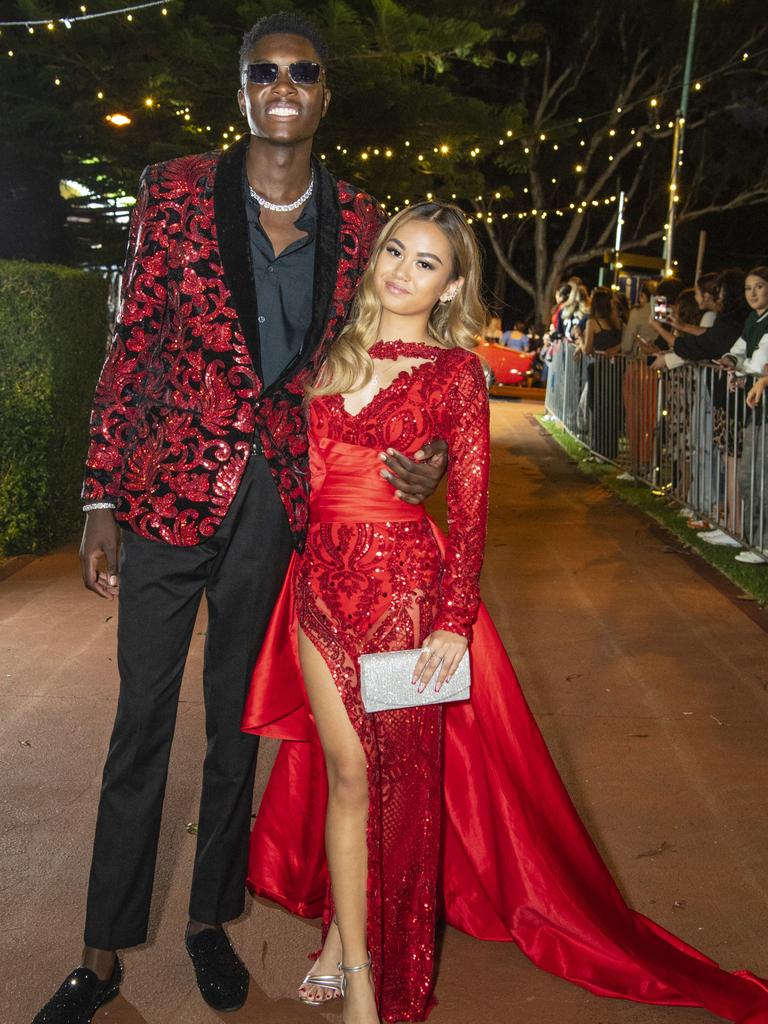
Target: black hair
column 647, row 288
column 602, row 303
column 687, row 307
column 707, row 283
column 669, row 288
column 622, row 305
column 730, row 293
column 283, row 23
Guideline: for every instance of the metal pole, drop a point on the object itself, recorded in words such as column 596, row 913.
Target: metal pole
column 700, row 254
column 617, row 242
column 677, row 145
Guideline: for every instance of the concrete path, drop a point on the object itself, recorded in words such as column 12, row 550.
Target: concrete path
column 649, row 683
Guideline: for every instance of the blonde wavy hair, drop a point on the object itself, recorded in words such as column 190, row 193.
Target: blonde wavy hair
column 455, row 324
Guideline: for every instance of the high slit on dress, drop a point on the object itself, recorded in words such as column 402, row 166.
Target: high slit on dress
column 467, row 814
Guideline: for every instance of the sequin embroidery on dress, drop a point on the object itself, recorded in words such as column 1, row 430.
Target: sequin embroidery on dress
column 376, row 586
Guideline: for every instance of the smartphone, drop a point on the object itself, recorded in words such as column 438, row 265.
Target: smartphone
column 661, row 307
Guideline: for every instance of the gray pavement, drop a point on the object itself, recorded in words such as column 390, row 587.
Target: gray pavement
column 651, row 687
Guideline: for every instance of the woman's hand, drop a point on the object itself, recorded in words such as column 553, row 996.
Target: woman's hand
column 736, row 381
column 728, row 362
column 440, row 649
column 659, row 363
column 756, row 392
column 416, row 479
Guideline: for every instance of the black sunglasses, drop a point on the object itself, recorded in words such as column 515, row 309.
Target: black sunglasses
column 301, row 72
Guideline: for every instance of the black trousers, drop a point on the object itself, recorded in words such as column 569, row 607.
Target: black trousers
column 241, row 569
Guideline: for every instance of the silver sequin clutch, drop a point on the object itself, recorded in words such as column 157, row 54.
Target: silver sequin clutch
column 385, row 682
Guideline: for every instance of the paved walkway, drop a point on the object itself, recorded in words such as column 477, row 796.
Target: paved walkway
column 651, row 687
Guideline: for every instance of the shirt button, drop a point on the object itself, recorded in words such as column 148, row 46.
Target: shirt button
column 262, row 319
column 270, row 270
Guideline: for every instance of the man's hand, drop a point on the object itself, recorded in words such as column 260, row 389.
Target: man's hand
column 101, row 539
column 416, row 479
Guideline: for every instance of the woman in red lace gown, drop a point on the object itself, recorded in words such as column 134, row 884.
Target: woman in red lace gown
column 454, row 807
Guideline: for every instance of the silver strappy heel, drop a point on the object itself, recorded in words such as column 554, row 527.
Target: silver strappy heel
column 352, row 970
column 329, row 982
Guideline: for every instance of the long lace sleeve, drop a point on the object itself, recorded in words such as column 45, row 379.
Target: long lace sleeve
column 467, row 496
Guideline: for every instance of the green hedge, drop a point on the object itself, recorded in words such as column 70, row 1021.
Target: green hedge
column 52, row 343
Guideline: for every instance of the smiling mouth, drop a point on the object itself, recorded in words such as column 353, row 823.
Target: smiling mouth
column 281, row 110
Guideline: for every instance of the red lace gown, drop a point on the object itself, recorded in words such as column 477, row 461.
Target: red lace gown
column 467, row 813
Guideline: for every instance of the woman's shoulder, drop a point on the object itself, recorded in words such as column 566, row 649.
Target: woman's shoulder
column 463, row 367
column 459, row 358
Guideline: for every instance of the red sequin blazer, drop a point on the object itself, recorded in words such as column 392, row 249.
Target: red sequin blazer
column 180, row 398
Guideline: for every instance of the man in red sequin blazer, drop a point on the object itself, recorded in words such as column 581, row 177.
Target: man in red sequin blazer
column 241, row 267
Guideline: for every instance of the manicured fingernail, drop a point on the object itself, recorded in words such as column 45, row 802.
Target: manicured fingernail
column 390, row 451
column 112, row 581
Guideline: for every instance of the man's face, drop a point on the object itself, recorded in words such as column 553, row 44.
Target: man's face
column 283, row 112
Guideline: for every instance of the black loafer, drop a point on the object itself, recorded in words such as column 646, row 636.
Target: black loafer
column 221, row 975
column 78, row 999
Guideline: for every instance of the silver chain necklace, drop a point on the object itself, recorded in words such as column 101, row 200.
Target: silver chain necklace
column 283, row 207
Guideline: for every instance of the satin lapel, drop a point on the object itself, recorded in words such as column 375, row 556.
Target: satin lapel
column 327, row 257
column 234, row 245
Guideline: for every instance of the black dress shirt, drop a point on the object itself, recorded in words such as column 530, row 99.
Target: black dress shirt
column 284, row 287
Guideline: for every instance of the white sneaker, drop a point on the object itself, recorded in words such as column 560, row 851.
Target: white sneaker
column 720, row 538
column 625, row 476
column 751, row 558
column 686, row 513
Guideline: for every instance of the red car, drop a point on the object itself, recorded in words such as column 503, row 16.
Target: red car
column 506, row 366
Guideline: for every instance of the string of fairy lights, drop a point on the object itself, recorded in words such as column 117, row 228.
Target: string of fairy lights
column 569, row 137
column 30, row 24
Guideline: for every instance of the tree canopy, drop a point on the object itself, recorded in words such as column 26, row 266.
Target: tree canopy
column 533, row 121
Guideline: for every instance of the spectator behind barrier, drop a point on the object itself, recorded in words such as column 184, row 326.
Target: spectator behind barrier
column 716, row 340
column 573, row 316
column 638, row 322
column 706, row 289
column 602, row 333
column 749, row 353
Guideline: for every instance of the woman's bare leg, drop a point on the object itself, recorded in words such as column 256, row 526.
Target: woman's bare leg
column 345, row 832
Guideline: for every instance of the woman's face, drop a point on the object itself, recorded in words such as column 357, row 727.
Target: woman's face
column 414, row 269
column 704, row 300
column 756, row 292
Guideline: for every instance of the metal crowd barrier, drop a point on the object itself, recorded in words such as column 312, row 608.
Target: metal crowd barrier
column 687, row 433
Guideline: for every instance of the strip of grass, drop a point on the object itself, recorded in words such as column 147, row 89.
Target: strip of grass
column 753, row 579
